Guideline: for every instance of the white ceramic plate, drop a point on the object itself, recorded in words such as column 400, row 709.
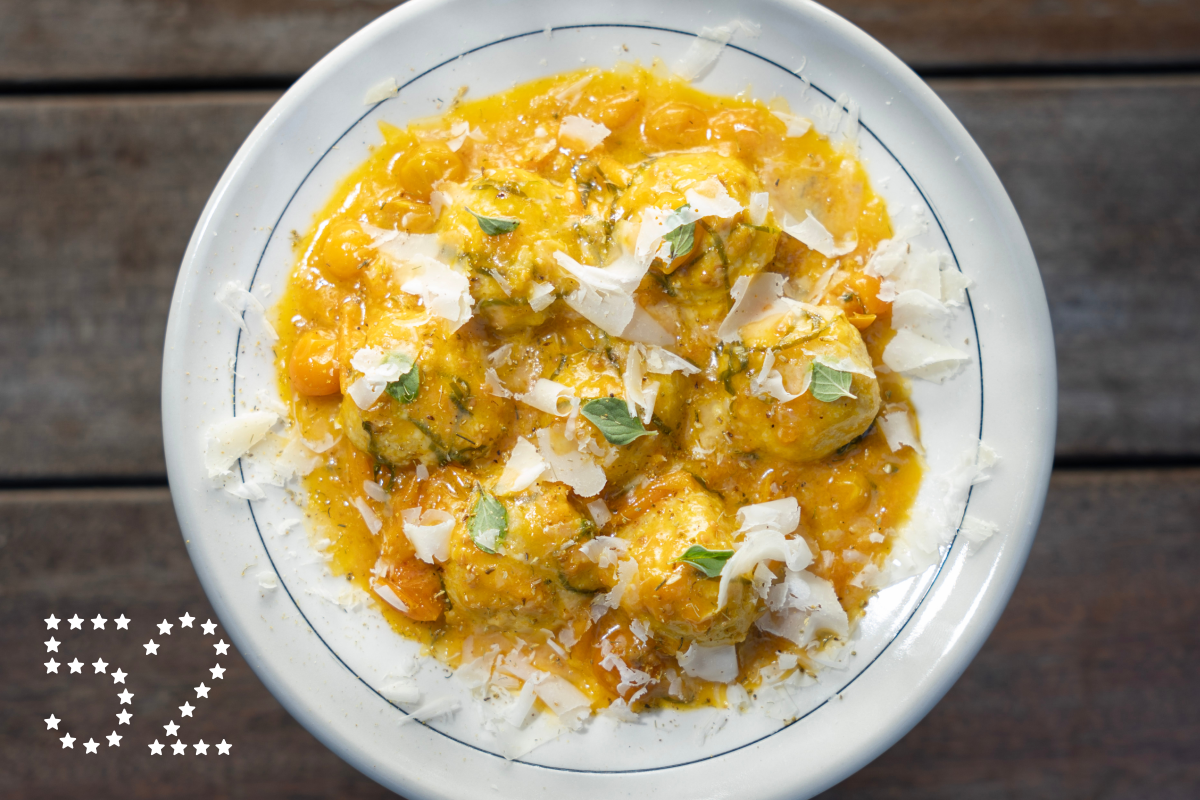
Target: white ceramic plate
column 327, row 663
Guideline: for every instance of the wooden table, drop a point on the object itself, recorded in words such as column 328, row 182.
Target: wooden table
column 116, row 119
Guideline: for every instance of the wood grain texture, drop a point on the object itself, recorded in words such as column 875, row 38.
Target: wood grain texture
column 64, row 40
column 1101, row 172
column 1086, row 688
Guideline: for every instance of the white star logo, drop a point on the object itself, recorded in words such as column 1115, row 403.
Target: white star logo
column 186, row 620
column 52, row 722
column 123, row 717
column 218, row 672
column 52, row 666
column 186, row 709
column 126, row 697
column 76, row 623
column 119, row 676
column 223, row 748
column 76, row 666
column 114, row 739
column 179, row 748
column 151, row 648
column 164, row 628
column 122, row 622
column 221, row 648
column 171, row 728
column 156, row 748
column 201, row 691
column 51, row 622
column 209, row 627
column 100, row 665
column 68, row 741
column 98, row 623
column 52, row 645
column 201, row 748
column 91, row 746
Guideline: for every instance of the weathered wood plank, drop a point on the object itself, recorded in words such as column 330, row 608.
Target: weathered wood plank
column 1085, row 689
column 63, row 40
column 1087, row 686
column 1101, row 172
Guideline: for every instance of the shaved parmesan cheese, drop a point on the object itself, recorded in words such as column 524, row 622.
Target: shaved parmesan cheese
column 567, row 465
column 429, row 533
column 754, row 297
column 570, row 705
column 524, row 466
column 637, row 395
column 913, row 354
column 540, row 297
column 375, row 491
column 400, row 247
column 378, row 370
column 760, row 202
column 381, row 91
column 777, row 515
column 551, row 397
column 373, row 522
column 228, row 440
column 248, row 490
column 710, row 198
column 758, row 548
column 645, row 329
column 323, row 444
column 796, row 126
column 664, row 362
column 440, row 707
column 976, row 530
column 897, row 428
column 705, row 49
column 918, row 312
column 605, row 294
column 444, row 291
column 491, row 382
column 268, row 579
column 657, row 223
column 770, row 381
column 954, row 286
column 630, row 678
column 718, row 664
column 604, row 551
column 403, row 691
column 500, row 354
column 802, row 606
column 458, row 135
column 814, row 235
column 237, row 301
column 581, row 132
column 388, row 594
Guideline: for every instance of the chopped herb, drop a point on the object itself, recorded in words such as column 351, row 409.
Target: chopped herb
column 460, row 394
column 682, row 239
column 611, row 416
column 710, row 562
column 720, row 245
column 736, row 361
column 404, row 389
column 829, row 384
column 495, row 226
column 488, row 524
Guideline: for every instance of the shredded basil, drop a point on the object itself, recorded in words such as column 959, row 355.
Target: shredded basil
column 829, row 384
column 611, row 416
column 495, row 226
column 404, row 389
column 488, row 524
column 710, row 562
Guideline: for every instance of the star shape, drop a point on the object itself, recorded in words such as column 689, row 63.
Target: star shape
column 156, row 748
column 52, row 645
column 76, row 666
column 114, row 739
column 52, row 666
column 123, row 717
column 119, row 676
column 164, row 628
column 76, row 623
column 201, row 748
column 186, row 709
column 218, row 672
column 201, row 691
column 151, row 648
column 179, row 748
column 126, row 697
column 221, row 648
column 210, row 627
column 171, row 728
column 91, row 746
column 223, row 748
column 186, row 620
column 68, row 741
column 52, row 722
column 98, row 623
column 51, row 622
column 100, row 666
column 122, row 622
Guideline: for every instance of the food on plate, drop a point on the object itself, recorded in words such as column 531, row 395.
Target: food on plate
column 598, row 365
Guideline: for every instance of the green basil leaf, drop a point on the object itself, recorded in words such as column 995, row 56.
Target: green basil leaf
column 494, row 226
column 611, row 416
column 829, row 384
column 710, row 562
column 682, row 239
column 404, row 389
column 489, row 523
